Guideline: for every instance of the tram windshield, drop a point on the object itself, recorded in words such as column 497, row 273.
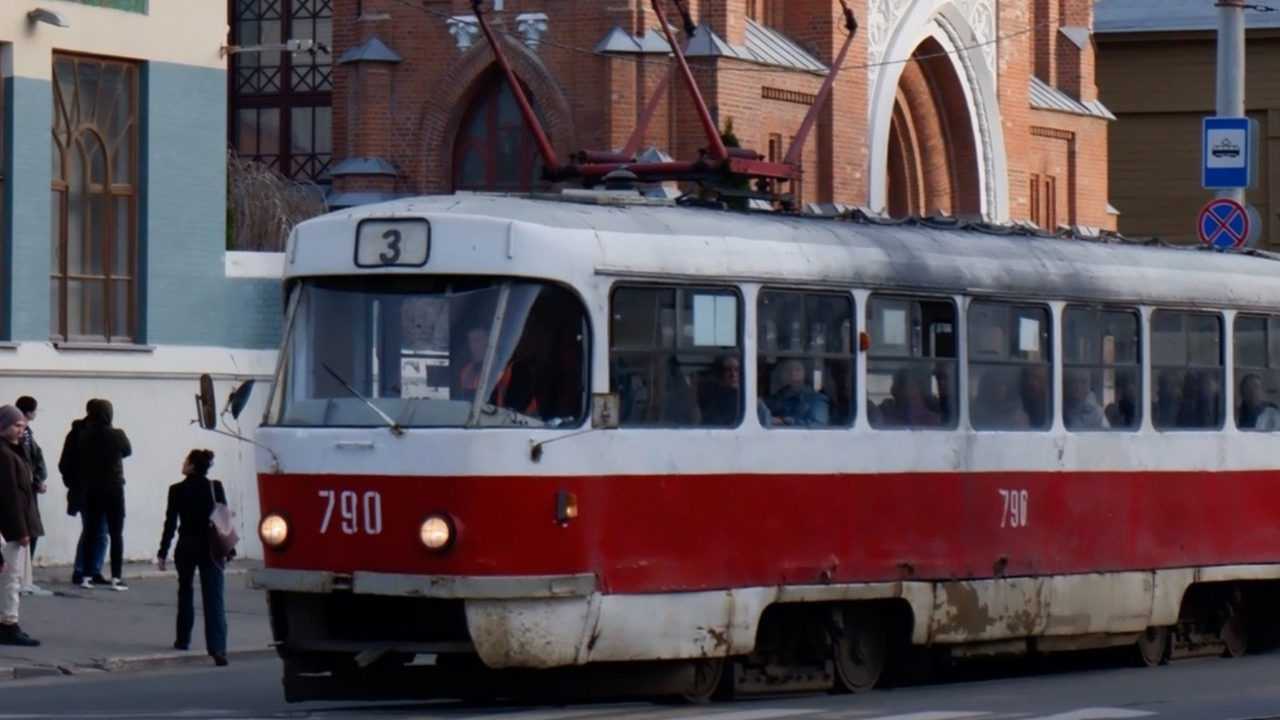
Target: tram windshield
column 409, row 352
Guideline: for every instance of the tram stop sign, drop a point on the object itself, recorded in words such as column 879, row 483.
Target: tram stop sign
column 1225, row 223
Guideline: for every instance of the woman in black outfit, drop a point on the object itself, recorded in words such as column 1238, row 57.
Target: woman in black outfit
column 190, row 504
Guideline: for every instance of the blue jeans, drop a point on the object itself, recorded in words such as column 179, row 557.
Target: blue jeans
column 99, row 543
column 211, row 600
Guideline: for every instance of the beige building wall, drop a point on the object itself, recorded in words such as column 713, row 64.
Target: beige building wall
column 1161, row 86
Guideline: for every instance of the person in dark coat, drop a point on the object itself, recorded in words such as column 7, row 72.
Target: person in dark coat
column 39, row 473
column 69, row 468
column 103, row 449
column 16, row 521
column 187, row 512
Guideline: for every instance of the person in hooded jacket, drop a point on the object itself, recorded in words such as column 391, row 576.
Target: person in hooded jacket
column 188, row 509
column 102, row 450
column 69, row 468
column 16, row 521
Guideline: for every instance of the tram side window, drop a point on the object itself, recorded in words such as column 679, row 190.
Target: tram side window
column 1010, row 367
column 1102, row 378
column 1186, row 361
column 805, row 363
column 1257, row 372
column 675, row 356
column 911, row 365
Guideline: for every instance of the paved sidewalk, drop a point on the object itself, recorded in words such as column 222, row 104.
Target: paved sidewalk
column 83, row 631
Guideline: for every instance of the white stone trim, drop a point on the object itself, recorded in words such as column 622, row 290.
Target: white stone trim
column 532, row 26
column 896, row 29
column 244, row 264
column 464, row 29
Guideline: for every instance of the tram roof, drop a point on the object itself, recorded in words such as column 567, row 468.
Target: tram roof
column 663, row 240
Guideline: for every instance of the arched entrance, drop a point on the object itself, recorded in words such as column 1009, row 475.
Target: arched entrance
column 494, row 149
column 932, row 163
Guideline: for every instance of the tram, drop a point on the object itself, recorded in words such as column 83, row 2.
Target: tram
column 517, row 443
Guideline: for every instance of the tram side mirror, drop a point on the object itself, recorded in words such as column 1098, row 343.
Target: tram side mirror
column 206, row 412
column 239, row 398
column 606, row 410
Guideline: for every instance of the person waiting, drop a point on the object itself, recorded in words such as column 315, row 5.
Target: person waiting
column 1255, row 412
column 907, row 405
column 795, row 403
column 1080, row 407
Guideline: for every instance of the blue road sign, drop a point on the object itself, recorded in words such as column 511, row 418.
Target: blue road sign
column 1228, row 146
column 1224, row 223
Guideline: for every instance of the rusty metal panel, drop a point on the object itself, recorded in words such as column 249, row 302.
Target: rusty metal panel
column 531, row 634
column 674, row 626
column 974, row 611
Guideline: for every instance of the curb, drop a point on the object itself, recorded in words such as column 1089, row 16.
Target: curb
column 28, row 672
column 146, row 662
column 125, row 664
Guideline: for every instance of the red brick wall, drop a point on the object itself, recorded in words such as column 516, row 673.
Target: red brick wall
column 408, row 112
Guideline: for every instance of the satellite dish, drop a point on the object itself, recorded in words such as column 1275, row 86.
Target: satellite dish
column 206, row 412
column 240, row 398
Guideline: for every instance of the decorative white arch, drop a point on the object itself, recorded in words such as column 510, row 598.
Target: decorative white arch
column 966, row 30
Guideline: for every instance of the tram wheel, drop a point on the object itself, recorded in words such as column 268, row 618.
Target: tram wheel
column 1234, row 635
column 708, row 674
column 1152, row 647
column 860, row 647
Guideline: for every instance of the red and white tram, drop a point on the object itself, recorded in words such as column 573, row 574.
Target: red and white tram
column 508, row 444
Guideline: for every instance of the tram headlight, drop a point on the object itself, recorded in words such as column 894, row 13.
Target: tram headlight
column 436, row 532
column 274, row 531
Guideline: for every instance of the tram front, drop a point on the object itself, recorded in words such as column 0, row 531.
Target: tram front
column 411, row 528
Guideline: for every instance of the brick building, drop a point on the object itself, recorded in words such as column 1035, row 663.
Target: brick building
column 951, row 106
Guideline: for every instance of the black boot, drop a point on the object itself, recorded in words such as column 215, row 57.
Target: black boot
column 13, row 635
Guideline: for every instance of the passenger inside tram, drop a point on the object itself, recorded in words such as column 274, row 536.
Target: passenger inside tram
column 907, row 404
column 1201, row 400
column 1036, row 401
column 795, row 404
column 1255, row 412
column 1123, row 412
column 998, row 406
column 944, row 402
column 1080, row 407
column 1168, row 403
column 720, row 394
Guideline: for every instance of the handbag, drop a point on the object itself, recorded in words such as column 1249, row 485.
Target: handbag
column 222, row 531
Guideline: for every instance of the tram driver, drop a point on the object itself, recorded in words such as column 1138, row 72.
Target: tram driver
column 513, row 389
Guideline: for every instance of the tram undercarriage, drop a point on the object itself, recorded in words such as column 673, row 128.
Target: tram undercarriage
column 800, row 647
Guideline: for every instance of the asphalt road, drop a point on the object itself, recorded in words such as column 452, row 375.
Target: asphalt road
column 1209, row 689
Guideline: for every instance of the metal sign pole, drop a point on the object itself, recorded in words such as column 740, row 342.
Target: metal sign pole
column 1230, row 90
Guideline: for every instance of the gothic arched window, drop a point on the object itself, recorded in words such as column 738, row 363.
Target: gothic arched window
column 494, row 149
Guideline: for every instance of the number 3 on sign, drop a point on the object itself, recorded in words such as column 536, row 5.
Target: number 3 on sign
column 392, row 243
column 1014, row 513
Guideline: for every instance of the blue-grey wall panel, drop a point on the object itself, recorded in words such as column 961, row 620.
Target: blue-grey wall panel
column 28, row 180
column 189, row 299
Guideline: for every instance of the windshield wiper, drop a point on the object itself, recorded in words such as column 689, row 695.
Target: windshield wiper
column 395, row 426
